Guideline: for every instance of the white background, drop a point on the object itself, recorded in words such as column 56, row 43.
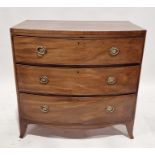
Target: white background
column 39, row 136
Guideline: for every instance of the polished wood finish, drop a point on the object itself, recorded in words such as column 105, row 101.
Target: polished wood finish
column 78, row 51
column 67, row 75
column 23, row 126
column 129, row 126
column 82, row 110
column 84, row 29
column 77, row 81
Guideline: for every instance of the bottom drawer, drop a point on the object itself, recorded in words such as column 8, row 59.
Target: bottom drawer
column 77, row 110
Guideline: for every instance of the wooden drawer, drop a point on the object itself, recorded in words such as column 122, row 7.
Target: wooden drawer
column 77, row 81
column 78, row 51
column 77, row 110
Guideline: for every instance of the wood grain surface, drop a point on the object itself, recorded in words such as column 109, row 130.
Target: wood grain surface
column 78, row 51
column 86, row 29
column 77, row 110
column 77, row 81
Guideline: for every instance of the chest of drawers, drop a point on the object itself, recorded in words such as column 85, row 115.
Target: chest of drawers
column 73, row 74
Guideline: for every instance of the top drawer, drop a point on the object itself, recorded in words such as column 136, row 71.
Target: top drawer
column 108, row 51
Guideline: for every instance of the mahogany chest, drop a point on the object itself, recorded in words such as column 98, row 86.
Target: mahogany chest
column 77, row 74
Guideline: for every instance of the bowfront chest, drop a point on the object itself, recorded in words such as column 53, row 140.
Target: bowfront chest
column 73, row 74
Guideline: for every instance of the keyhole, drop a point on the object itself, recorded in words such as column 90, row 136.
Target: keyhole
column 78, row 43
column 77, row 72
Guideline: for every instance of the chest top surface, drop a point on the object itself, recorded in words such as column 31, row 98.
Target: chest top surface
column 83, row 28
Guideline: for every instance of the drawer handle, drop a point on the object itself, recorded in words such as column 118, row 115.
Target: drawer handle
column 44, row 108
column 114, row 51
column 41, row 51
column 111, row 80
column 43, row 79
column 109, row 108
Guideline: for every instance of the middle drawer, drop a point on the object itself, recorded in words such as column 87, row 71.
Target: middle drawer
column 77, row 81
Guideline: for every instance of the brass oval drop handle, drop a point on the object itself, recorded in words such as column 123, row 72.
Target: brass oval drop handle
column 111, row 80
column 109, row 108
column 43, row 80
column 44, row 108
column 41, row 51
column 114, row 51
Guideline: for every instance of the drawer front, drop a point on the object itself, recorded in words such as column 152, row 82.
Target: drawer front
column 33, row 50
column 77, row 110
column 77, row 81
